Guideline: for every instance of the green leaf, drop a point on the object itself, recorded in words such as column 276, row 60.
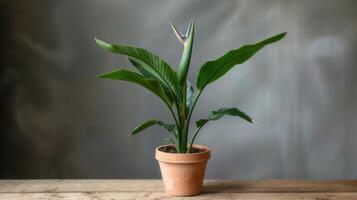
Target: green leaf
column 141, row 69
column 141, row 127
column 150, row 84
column 147, row 74
column 213, row 70
column 215, row 115
column 151, row 62
column 186, row 55
column 201, row 122
column 170, row 127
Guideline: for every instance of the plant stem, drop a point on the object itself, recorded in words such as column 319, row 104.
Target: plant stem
column 173, row 114
column 193, row 105
column 193, row 139
column 189, row 118
column 177, row 125
column 179, row 130
column 184, row 117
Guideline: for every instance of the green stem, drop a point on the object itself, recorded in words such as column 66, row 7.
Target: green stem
column 173, row 114
column 189, row 117
column 177, row 125
column 194, row 137
column 183, row 116
column 193, row 105
column 179, row 129
column 185, row 136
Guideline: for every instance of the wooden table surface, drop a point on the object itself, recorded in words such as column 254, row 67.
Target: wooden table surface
column 153, row 189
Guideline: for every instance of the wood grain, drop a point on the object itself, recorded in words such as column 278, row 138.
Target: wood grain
column 162, row 196
column 153, row 189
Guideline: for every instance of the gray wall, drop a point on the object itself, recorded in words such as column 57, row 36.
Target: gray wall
column 59, row 121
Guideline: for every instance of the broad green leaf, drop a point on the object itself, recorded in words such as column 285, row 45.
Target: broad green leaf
column 186, row 55
column 147, row 74
column 201, row 122
column 215, row 115
column 141, row 69
column 213, row 70
column 150, row 84
column 170, row 127
column 141, row 127
column 151, row 62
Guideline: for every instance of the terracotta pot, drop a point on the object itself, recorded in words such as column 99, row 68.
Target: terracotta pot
column 183, row 173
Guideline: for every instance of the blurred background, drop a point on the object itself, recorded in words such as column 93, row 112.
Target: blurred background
column 58, row 121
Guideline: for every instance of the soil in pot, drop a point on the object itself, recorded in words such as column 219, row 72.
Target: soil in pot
column 172, row 149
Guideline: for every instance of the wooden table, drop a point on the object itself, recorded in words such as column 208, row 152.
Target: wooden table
column 152, row 189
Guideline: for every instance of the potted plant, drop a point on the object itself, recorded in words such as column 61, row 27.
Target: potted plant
column 183, row 162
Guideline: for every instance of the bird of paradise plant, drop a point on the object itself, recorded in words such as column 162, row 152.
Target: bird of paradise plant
column 173, row 88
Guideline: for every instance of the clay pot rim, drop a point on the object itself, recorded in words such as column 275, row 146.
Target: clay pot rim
column 198, row 146
column 183, row 157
